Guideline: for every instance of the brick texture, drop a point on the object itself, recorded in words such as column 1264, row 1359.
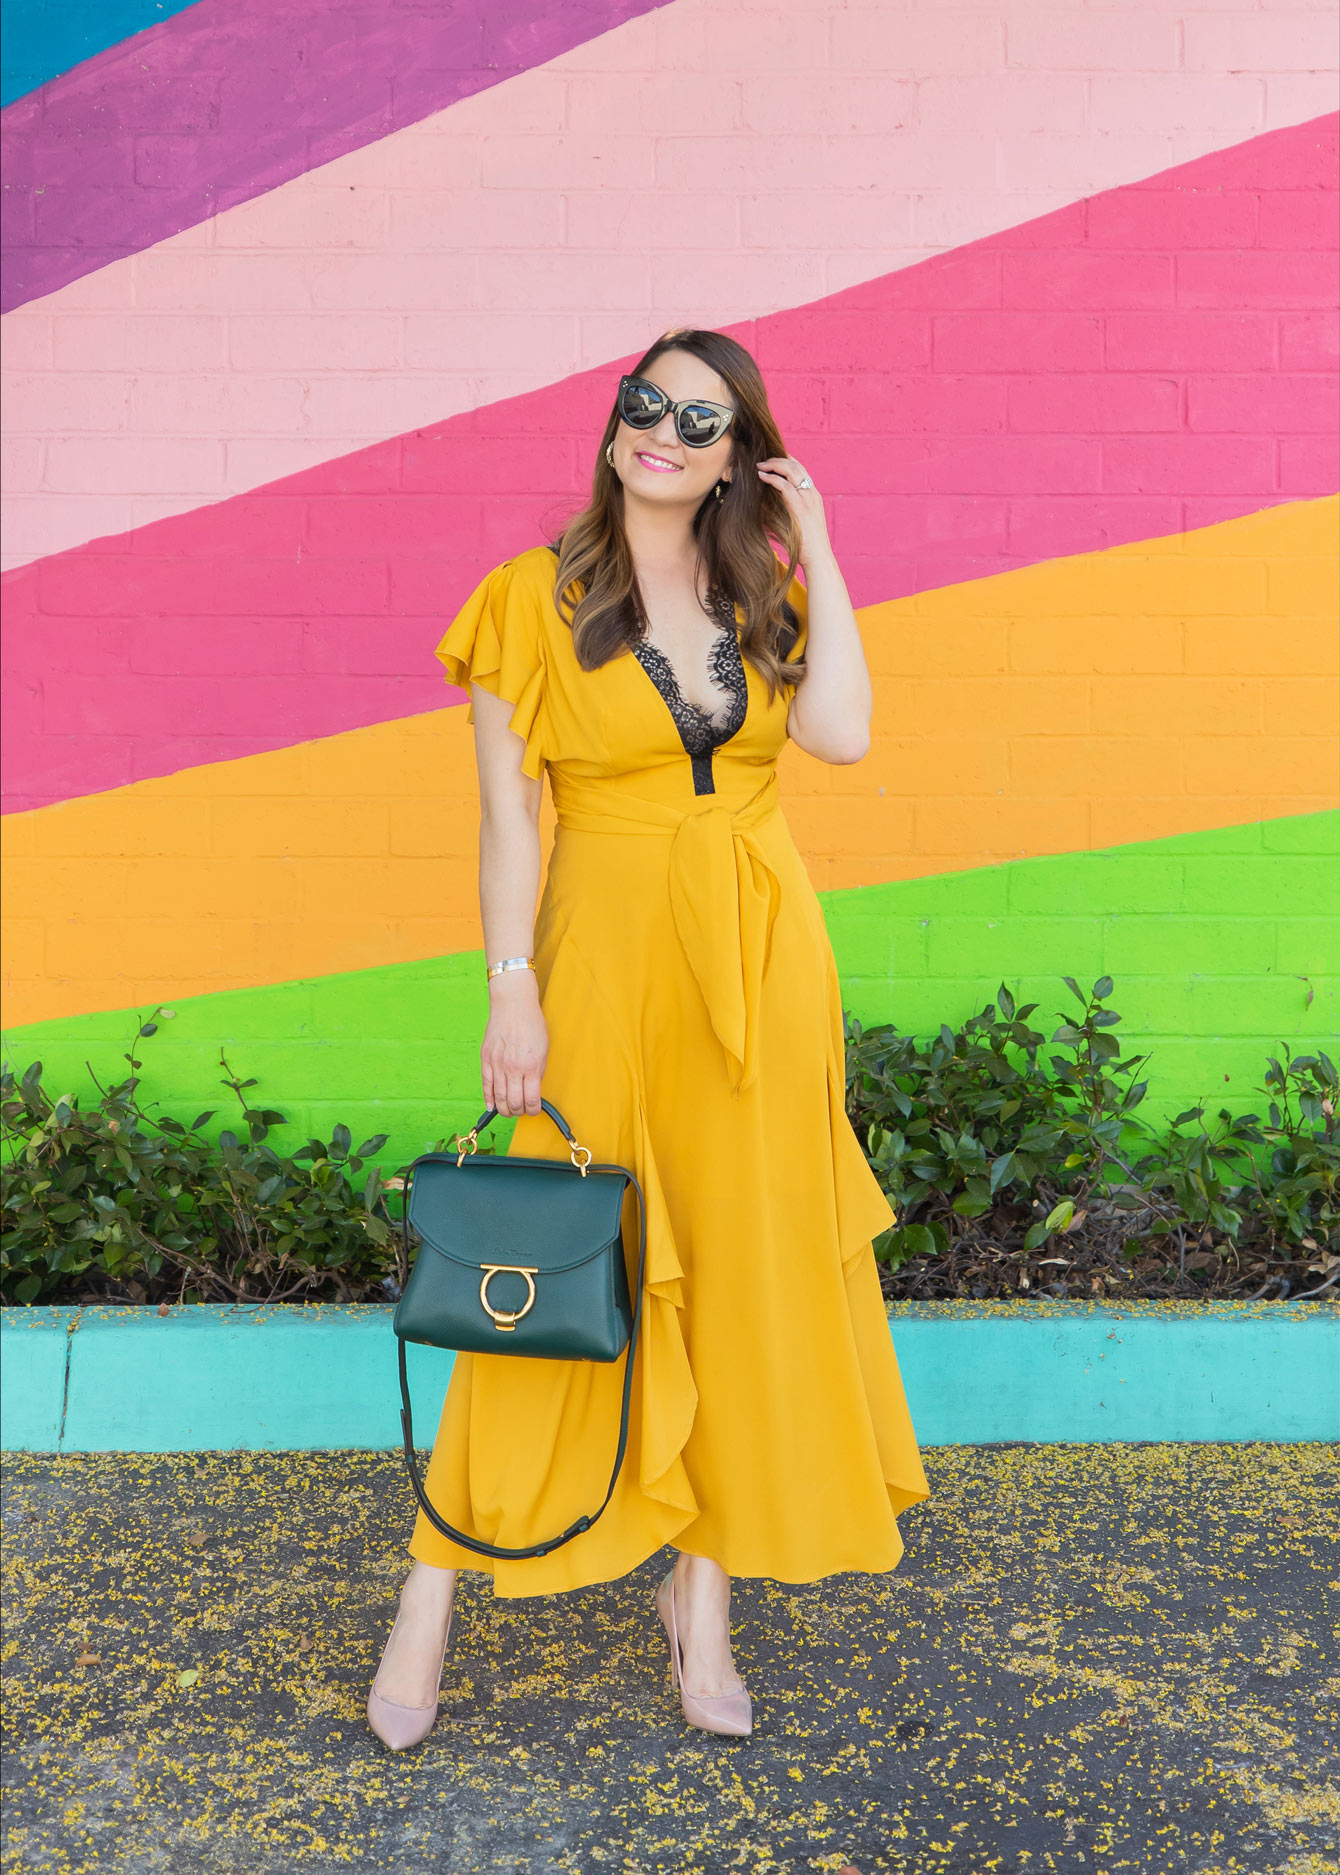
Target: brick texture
column 1030, row 286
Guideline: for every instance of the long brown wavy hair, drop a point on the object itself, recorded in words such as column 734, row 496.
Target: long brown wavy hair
column 595, row 586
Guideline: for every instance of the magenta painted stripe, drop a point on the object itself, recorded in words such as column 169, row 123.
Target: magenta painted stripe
column 1157, row 358
column 233, row 97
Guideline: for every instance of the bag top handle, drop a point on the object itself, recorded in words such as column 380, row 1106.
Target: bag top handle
column 490, row 1114
column 467, row 1143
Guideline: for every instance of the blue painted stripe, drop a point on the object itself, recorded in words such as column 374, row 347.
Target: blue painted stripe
column 324, row 1378
column 44, row 38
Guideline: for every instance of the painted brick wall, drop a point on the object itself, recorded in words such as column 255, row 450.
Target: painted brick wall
column 297, row 348
column 708, row 158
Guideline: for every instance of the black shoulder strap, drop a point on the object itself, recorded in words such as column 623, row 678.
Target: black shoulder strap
column 479, row 1547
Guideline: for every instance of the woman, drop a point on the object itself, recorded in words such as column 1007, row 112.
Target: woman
column 676, row 995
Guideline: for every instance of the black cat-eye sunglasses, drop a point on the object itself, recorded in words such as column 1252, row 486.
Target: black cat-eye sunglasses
column 642, row 404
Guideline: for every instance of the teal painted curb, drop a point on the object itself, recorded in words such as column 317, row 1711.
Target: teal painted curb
column 34, row 1349
column 210, row 1378
column 1074, row 1373
column 290, row 1378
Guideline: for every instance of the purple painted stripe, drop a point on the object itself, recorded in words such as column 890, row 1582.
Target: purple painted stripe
column 233, row 97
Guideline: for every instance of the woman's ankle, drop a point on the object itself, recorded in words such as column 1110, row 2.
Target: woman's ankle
column 701, row 1578
column 429, row 1587
column 409, row 1668
column 702, row 1602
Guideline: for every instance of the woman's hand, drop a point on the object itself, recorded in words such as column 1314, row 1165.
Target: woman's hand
column 786, row 475
column 516, row 1044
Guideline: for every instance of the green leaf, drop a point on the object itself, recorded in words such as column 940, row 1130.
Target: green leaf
column 974, row 1200
column 1035, row 1236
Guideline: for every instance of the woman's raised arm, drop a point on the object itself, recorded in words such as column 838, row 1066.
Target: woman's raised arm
column 830, row 709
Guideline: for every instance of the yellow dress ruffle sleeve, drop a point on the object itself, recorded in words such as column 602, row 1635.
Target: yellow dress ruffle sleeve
column 496, row 640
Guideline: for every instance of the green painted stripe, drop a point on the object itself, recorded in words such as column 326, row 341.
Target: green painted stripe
column 265, row 1379
column 1222, row 944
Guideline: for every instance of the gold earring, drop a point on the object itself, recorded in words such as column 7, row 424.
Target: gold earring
column 609, row 453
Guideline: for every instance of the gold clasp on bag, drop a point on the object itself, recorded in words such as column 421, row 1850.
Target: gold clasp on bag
column 471, row 1144
column 506, row 1319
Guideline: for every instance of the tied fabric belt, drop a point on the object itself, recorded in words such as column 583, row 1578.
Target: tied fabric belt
column 724, row 895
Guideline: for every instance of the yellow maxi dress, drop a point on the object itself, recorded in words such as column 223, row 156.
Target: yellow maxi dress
column 695, row 1034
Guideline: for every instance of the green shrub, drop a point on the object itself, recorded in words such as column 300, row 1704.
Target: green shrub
column 116, row 1201
column 983, row 1142
column 1000, row 1149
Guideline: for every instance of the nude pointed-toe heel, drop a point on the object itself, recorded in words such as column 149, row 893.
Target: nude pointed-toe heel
column 402, row 1726
column 729, row 1714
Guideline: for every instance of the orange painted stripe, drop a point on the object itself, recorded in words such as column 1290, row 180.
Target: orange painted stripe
column 1155, row 689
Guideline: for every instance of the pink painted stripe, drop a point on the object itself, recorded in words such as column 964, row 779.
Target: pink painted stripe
column 233, row 97
column 1104, row 374
column 719, row 159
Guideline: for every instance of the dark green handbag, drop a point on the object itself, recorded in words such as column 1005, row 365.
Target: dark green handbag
column 519, row 1256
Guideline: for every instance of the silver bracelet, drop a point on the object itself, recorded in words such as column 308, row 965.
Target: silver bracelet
column 510, row 963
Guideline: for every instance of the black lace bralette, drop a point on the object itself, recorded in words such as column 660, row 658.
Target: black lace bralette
column 699, row 732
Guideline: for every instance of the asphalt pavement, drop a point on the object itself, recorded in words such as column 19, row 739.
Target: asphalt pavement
column 1092, row 1658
